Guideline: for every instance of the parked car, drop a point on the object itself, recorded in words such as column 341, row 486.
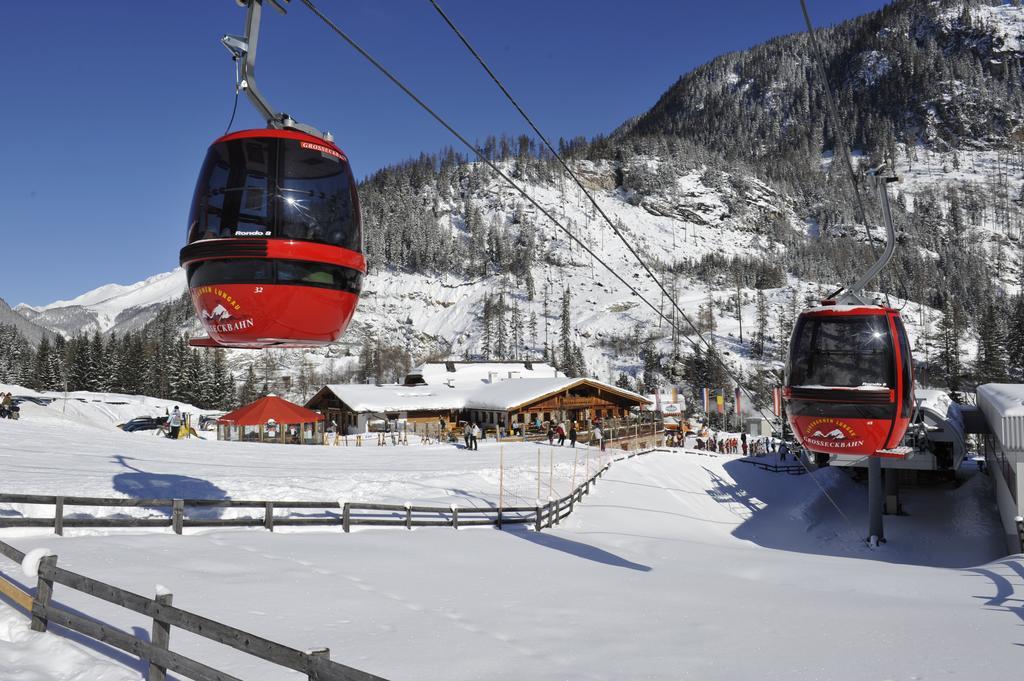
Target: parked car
column 41, row 401
column 143, row 423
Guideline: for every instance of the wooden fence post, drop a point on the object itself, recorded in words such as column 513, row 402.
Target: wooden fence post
column 44, row 592
column 408, row 515
column 346, row 516
column 551, row 513
column 160, row 637
column 540, row 519
column 455, row 516
column 268, row 515
column 177, row 515
column 58, row 516
column 315, row 657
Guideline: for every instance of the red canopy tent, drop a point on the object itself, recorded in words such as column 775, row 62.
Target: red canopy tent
column 272, row 419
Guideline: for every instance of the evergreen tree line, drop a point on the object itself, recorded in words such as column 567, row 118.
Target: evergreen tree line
column 155, row 360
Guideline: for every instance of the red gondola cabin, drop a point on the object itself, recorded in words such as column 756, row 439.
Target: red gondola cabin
column 274, row 255
column 849, row 380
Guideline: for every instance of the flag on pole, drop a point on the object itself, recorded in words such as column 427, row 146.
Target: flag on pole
column 737, row 400
column 706, row 396
column 777, row 401
column 720, row 399
column 657, row 400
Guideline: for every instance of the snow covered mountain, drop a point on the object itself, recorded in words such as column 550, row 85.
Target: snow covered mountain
column 31, row 331
column 109, row 308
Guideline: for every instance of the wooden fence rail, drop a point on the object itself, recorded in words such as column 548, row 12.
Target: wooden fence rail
column 317, row 664
column 351, row 513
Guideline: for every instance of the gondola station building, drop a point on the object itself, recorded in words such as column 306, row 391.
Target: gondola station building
column 491, row 394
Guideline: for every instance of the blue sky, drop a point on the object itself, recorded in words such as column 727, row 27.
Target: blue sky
column 109, row 106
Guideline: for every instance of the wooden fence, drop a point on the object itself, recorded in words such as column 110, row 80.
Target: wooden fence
column 156, row 651
column 41, row 607
column 351, row 513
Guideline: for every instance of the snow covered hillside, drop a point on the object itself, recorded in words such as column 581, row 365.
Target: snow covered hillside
column 700, row 214
column 678, row 565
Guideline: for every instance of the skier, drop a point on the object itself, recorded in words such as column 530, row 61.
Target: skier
column 175, row 423
column 572, row 434
column 473, row 438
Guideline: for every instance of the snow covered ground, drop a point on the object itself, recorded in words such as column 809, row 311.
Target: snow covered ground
column 679, row 565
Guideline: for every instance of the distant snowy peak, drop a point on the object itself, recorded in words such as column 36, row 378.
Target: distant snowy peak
column 111, row 307
column 158, row 288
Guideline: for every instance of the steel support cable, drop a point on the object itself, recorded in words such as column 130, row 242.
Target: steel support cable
column 714, row 353
column 838, row 131
column 479, row 153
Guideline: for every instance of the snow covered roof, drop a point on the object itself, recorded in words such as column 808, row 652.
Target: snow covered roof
column 1003, row 406
column 507, row 394
column 473, row 374
column 499, row 396
column 390, row 398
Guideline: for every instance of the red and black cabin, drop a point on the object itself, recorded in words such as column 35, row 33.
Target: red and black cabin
column 849, row 386
column 275, row 254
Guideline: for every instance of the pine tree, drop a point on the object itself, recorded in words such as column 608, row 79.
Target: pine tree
column 950, row 333
column 500, row 330
column 565, row 345
column 991, row 363
column 249, row 391
column 761, row 324
column 1015, row 340
column 487, row 322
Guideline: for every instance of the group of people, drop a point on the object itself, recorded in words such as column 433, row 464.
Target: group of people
column 559, row 431
column 471, row 434
column 8, row 410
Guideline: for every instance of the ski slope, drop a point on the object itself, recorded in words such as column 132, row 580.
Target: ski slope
column 679, row 565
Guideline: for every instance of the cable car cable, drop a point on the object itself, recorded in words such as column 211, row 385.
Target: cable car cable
column 672, row 323
column 838, row 132
column 479, row 153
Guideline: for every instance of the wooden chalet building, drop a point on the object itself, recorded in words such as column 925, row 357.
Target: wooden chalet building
column 491, row 394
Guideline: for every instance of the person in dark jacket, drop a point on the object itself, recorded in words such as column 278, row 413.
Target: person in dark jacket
column 572, row 434
column 551, row 435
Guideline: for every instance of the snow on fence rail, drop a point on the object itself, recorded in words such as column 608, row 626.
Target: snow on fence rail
column 40, row 606
column 352, row 513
